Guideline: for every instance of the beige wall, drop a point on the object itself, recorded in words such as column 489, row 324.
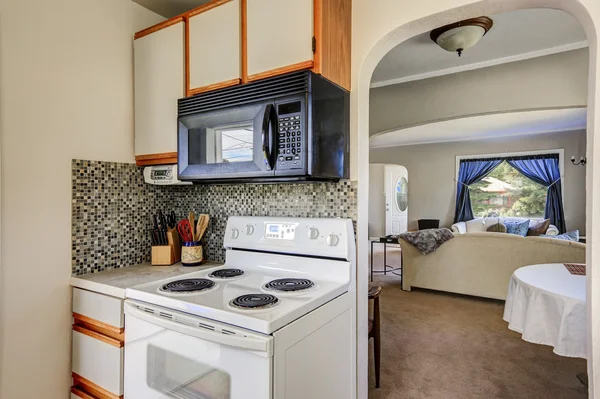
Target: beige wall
column 558, row 80
column 379, row 26
column 432, row 170
column 65, row 92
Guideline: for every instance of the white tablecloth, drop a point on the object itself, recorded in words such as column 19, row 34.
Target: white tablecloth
column 546, row 304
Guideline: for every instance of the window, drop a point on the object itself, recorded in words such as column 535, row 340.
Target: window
column 507, row 192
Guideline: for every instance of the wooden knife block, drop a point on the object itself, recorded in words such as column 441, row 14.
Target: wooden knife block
column 166, row 255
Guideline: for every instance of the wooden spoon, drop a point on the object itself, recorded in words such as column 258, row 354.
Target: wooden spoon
column 202, row 226
column 192, row 219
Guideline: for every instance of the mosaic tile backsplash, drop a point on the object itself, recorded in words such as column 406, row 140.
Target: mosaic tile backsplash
column 112, row 209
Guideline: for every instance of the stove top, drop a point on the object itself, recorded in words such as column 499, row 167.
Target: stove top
column 188, row 285
column 263, row 296
column 226, row 273
column 289, row 285
column 254, row 301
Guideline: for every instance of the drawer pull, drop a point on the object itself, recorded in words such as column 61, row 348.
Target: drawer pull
column 81, row 394
column 92, row 390
column 100, row 337
column 96, row 325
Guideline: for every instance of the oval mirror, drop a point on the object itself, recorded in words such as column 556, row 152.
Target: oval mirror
column 402, row 194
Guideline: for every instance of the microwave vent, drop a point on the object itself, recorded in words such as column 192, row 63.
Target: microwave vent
column 278, row 86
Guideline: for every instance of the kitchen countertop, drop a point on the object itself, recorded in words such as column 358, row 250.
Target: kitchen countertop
column 114, row 282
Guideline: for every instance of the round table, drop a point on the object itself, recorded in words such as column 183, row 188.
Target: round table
column 547, row 305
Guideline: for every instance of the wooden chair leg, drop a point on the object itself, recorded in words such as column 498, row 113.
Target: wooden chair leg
column 377, row 343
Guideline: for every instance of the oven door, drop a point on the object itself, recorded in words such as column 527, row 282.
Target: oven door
column 170, row 354
column 230, row 143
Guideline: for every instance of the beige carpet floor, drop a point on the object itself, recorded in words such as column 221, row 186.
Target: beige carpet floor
column 437, row 345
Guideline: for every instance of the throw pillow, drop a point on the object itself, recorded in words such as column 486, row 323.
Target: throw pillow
column 497, row 228
column 518, row 228
column 570, row 236
column 538, row 227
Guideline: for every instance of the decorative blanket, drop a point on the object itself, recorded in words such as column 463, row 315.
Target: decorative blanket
column 427, row 241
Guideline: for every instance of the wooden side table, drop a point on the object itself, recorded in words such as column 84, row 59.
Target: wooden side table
column 385, row 241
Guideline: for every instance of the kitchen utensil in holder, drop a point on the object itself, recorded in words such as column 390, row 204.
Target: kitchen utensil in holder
column 166, row 255
column 191, row 253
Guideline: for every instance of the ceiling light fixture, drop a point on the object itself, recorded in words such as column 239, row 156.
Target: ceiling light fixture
column 462, row 35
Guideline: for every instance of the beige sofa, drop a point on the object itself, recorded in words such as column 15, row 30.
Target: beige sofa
column 481, row 264
column 482, row 224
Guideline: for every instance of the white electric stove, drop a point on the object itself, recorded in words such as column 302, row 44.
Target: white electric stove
column 277, row 321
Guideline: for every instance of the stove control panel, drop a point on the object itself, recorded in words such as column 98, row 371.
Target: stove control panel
column 331, row 238
column 280, row 231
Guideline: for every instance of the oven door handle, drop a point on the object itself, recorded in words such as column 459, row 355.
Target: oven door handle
column 269, row 125
column 219, row 336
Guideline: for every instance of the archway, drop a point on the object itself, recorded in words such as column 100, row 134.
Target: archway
column 380, row 26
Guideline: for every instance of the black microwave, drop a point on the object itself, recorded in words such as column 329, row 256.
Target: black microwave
column 289, row 128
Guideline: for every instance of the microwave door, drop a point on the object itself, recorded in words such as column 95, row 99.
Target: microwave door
column 229, row 143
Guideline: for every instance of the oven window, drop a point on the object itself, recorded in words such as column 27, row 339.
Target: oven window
column 180, row 377
column 222, row 144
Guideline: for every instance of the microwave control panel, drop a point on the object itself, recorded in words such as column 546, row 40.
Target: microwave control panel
column 291, row 143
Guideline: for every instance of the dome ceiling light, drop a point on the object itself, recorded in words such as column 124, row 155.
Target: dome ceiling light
column 462, row 35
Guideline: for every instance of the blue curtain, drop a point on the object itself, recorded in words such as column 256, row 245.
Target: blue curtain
column 470, row 172
column 544, row 170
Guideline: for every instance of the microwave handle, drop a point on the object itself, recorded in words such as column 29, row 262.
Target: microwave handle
column 269, row 121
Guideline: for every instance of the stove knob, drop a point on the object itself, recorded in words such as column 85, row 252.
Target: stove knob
column 333, row 240
column 235, row 233
column 249, row 229
column 313, row 233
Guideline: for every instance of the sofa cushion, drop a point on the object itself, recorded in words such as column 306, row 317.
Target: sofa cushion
column 518, row 228
column 497, row 228
column 538, row 227
column 480, row 224
column 570, row 236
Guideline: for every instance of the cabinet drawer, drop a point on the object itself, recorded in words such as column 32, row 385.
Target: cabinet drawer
column 98, row 359
column 103, row 308
column 77, row 393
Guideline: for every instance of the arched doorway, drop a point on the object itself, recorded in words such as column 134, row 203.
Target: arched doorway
column 380, row 26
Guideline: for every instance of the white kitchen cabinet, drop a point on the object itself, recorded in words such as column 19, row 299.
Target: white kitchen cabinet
column 159, row 81
column 103, row 308
column 98, row 359
column 215, row 46
column 279, row 36
column 98, row 342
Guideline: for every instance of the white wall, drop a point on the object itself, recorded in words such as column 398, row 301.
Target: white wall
column 558, row 80
column 66, row 92
column 377, row 27
column 432, row 170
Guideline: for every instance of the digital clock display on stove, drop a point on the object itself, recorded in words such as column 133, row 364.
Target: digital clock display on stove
column 280, row 231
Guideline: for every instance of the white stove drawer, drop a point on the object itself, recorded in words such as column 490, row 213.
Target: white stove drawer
column 99, row 359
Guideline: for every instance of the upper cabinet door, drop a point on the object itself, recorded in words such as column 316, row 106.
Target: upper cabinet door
column 215, row 42
column 159, row 79
column 279, row 36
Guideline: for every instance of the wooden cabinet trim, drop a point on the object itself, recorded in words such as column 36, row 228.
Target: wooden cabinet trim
column 81, row 393
column 96, row 335
column 215, row 86
column 186, row 88
column 99, row 327
column 157, row 27
column 333, row 34
column 88, row 386
column 318, row 33
column 205, row 7
column 156, row 159
column 244, row 19
column 283, row 70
